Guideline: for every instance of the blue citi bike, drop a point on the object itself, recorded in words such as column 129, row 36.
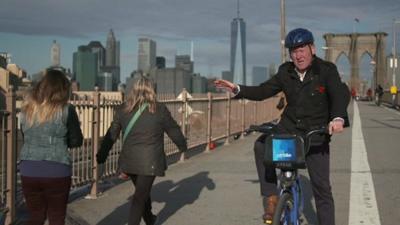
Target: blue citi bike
column 286, row 152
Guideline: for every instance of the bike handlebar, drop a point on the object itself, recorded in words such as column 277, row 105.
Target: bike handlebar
column 263, row 128
column 267, row 128
column 322, row 130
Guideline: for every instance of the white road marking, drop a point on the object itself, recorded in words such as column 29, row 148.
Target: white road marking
column 363, row 206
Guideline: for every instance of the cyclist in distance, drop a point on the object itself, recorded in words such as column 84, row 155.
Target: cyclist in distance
column 378, row 94
column 315, row 97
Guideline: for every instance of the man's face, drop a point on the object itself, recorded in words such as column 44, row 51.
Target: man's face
column 302, row 56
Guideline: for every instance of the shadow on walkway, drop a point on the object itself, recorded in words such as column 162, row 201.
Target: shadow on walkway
column 175, row 195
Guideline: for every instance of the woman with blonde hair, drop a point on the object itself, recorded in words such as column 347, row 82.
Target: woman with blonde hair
column 143, row 122
column 50, row 126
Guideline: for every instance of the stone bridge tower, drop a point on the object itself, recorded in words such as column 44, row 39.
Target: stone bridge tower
column 353, row 46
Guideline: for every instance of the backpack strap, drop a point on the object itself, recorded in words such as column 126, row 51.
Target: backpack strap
column 134, row 119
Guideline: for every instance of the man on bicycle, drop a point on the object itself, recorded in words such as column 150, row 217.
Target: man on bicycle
column 315, row 97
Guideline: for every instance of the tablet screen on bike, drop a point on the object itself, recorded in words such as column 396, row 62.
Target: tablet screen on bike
column 283, row 149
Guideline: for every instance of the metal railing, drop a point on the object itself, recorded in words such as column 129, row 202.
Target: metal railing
column 204, row 118
column 8, row 158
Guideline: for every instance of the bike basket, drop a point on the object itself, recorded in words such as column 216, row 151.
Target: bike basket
column 284, row 151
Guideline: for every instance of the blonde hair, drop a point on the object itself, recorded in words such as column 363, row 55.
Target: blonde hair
column 143, row 91
column 47, row 98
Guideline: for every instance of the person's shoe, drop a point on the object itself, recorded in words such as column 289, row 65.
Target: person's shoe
column 123, row 176
column 150, row 220
column 271, row 203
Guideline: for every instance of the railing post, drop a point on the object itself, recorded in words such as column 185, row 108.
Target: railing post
column 209, row 115
column 228, row 118
column 243, row 117
column 255, row 112
column 95, row 143
column 184, row 118
column 11, row 156
column 122, row 96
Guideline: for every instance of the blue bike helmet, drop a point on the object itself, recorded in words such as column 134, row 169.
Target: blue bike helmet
column 298, row 37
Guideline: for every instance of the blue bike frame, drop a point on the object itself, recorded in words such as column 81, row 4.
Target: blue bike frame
column 298, row 201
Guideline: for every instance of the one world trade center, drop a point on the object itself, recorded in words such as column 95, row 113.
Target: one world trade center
column 238, row 49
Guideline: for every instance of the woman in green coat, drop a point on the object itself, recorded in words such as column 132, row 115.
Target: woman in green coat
column 142, row 157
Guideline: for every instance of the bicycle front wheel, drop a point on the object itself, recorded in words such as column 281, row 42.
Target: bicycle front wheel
column 283, row 210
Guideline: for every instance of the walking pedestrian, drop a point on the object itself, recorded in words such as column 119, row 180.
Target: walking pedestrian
column 143, row 122
column 50, row 126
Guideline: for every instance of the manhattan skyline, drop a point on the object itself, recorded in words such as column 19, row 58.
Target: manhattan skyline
column 29, row 28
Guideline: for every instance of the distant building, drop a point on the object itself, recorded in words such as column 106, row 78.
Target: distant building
column 184, row 62
column 227, row 75
column 210, row 85
column 146, row 55
column 112, row 60
column 105, row 81
column 272, row 70
column 35, row 77
column 172, row 80
column 16, row 70
column 129, row 84
column 238, row 50
column 183, row 79
column 115, row 78
column 160, row 62
column 111, row 49
column 85, row 68
column 11, row 74
column 55, row 52
column 259, row 75
column 5, row 56
column 199, row 84
column 3, row 61
column 97, row 47
column 118, row 54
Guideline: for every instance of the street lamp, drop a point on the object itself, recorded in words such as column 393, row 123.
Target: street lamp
column 283, row 31
column 374, row 79
column 393, row 63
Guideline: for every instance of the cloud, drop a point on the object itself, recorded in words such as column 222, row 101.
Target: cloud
column 207, row 22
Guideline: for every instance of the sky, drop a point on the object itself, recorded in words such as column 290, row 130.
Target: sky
column 28, row 28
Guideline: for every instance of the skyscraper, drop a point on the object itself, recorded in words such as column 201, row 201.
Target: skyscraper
column 160, row 62
column 238, row 49
column 112, row 60
column 184, row 62
column 227, row 75
column 97, row 47
column 146, row 54
column 111, row 49
column 55, row 54
column 85, row 68
column 259, row 75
